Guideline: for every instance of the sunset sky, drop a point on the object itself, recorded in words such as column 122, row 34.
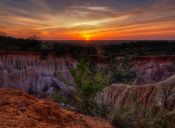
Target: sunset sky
column 89, row 19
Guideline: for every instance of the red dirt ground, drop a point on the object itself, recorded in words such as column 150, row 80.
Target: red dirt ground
column 20, row 110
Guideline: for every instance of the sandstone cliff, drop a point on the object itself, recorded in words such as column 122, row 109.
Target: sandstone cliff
column 152, row 69
column 34, row 73
column 20, row 110
column 41, row 75
column 161, row 95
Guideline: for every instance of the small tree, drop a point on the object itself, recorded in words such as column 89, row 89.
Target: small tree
column 89, row 81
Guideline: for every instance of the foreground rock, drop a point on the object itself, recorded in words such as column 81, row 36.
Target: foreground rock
column 20, row 110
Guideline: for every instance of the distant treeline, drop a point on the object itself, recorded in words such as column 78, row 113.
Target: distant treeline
column 136, row 48
column 142, row 48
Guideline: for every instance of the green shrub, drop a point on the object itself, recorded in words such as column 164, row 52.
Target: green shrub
column 89, row 82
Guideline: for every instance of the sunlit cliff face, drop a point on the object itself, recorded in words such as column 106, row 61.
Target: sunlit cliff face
column 89, row 19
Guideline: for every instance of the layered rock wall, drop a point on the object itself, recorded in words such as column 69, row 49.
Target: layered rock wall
column 34, row 73
column 160, row 95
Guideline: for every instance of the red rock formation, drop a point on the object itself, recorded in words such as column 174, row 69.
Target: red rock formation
column 20, row 110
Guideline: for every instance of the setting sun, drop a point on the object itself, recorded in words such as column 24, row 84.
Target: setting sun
column 87, row 36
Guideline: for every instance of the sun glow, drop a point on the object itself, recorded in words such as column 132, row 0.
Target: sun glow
column 87, row 36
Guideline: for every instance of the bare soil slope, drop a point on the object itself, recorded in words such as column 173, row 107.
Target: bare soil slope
column 20, row 110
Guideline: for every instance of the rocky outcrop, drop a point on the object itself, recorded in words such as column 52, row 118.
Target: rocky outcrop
column 34, row 73
column 152, row 69
column 153, row 72
column 20, row 110
column 161, row 95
